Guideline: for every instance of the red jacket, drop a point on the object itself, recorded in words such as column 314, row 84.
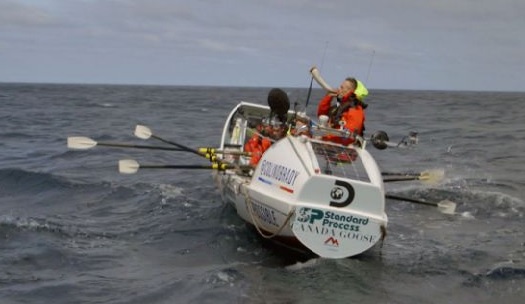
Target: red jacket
column 353, row 117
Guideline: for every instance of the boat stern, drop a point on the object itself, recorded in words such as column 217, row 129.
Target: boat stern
column 336, row 193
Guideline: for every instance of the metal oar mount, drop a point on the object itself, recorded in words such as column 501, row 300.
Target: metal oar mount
column 379, row 140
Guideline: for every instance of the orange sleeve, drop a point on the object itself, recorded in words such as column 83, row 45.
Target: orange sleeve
column 324, row 105
column 265, row 144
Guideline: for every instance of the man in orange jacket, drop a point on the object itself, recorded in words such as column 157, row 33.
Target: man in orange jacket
column 349, row 112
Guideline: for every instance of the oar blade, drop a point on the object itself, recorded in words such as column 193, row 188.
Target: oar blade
column 80, row 143
column 142, row 132
column 447, row 207
column 128, row 166
column 432, row 177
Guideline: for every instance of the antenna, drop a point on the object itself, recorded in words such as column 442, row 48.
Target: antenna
column 370, row 65
column 324, row 54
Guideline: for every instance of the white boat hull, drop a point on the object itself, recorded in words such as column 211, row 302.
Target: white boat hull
column 324, row 196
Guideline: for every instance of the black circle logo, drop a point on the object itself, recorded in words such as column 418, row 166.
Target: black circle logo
column 338, row 192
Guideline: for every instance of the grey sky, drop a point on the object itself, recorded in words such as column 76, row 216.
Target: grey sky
column 399, row 44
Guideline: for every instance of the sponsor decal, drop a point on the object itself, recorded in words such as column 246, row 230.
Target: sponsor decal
column 342, row 194
column 264, row 180
column 286, row 189
column 308, row 215
column 334, row 225
column 265, row 214
column 278, row 172
column 331, row 241
column 289, row 190
column 340, row 234
column 329, row 218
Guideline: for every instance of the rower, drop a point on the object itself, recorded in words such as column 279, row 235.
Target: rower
column 272, row 128
column 348, row 114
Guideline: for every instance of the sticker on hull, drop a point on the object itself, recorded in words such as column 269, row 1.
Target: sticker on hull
column 332, row 234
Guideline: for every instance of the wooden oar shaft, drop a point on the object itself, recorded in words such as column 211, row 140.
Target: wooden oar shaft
column 218, row 166
column 400, row 179
column 183, row 147
column 412, row 200
column 213, row 166
column 400, row 173
column 119, row 145
column 145, row 133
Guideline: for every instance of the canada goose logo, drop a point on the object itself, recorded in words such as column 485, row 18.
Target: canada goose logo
column 331, row 241
column 342, row 194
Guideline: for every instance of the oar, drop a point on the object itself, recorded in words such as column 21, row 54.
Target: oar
column 444, row 206
column 84, row 143
column 428, row 176
column 131, row 166
column 144, row 132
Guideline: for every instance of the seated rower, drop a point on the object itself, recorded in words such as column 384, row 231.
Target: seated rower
column 302, row 125
column 263, row 138
column 273, row 130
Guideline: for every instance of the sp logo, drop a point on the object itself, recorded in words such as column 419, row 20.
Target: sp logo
column 308, row 215
column 342, row 194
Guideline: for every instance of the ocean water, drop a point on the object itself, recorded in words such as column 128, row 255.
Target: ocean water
column 74, row 230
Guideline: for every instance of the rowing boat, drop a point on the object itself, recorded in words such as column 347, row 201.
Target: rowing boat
column 303, row 191
column 326, row 197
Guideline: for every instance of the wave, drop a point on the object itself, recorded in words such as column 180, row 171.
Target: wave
column 8, row 222
column 15, row 180
column 483, row 195
column 97, row 105
column 16, row 135
column 505, row 273
column 497, row 273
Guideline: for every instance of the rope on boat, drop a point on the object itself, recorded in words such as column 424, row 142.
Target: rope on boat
column 383, row 235
column 256, row 223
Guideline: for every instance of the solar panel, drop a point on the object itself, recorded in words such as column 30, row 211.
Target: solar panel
column 340, row 161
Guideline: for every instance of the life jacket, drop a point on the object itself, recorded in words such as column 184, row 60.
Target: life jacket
column 336, row 111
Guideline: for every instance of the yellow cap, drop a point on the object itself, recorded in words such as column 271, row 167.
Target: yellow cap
column 360, row 92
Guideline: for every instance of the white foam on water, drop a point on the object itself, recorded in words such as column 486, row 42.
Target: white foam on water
column 467, row 215
column 22, row 222
column 170, row 191
column 308, row 264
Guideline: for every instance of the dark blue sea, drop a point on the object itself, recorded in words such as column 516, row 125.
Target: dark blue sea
column 74, row 230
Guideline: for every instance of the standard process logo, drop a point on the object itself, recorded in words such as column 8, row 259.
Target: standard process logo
column 330, row 219
column 325, row 223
